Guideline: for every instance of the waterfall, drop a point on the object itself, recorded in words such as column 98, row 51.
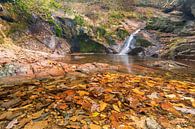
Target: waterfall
column 129, row 43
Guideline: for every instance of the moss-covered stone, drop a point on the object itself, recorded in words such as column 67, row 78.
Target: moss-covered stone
column 143, row 42
column 122, row 34
column 164, row 25
column 87, row 45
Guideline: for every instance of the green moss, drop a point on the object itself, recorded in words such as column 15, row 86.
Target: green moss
column 116, row 15
column 142, row 42
column 163, row 25
column 89, row 46
column 110, row 40
column 58, row 30
column 79, row 20
column 101, row 31
column 122, row 34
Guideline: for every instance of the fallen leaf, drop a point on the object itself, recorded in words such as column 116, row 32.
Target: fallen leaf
column 119, row 104
column 108, row 97
column 62, row 106
column 74, row 118
column 82, row 93
column 137, row 91
column 103, row 105
column 69, row 92
column 37, row 114
column 93, row 126
column 116, row 108
column 36, row 125
column 106, row 127
column 191, row 99
column 169, row 107
column 95, row 114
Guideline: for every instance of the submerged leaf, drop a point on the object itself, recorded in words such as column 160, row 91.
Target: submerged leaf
column 82, row 93
column 116, row 108
column 93, row 126
column 103, row 105
column 137, row 91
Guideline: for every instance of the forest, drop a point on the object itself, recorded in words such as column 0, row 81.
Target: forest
column 97, row 64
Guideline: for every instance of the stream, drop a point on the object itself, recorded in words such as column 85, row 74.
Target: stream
column 139, row 65
column 144, row 93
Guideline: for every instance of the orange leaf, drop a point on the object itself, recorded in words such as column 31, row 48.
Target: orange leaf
column 69, row 92
column 82, row 93
column 169, row 107
column 62, row 106
column 103, row 105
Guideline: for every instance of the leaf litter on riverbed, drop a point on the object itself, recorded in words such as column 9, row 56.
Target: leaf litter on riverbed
column 102, row 100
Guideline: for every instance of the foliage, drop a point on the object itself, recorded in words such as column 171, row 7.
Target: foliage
column 41, row 8
column 87, row 45
column 79, row 20
column 101, row 31
column 122, row 34
column 163, row 25
column 100, row 100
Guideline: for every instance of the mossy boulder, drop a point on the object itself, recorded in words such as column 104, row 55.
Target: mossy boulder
column 164, row 25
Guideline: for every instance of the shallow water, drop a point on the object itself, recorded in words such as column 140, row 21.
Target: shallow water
column 83, row 99
column 139, row 65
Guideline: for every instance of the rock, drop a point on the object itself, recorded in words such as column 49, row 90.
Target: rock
column 86, row 68
column 1, row 8
column 193, row 9
column 152, row 124
column 11, row 103
column 168, row 65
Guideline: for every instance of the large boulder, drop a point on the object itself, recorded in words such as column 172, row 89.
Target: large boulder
column 188, row 8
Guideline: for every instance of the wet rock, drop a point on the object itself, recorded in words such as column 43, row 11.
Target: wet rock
column 11, row 103
column 1, row 8
column 152, row 124
column 168, row 65
column 86, row 68
column 8, row 70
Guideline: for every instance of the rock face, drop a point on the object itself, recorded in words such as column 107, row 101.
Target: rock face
column 188, row 8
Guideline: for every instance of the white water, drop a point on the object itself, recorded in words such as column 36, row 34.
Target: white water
column 129, row 43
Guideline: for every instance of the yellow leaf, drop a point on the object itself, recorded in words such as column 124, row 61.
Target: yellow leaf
column 119, row 104
column 192, row 90
column 74, row 118
column 95, row 114
column 191, row 99
column 93, row 126
column 82, row 93
column 106, row 127
column 137, row 91
column 116, row 108
column 103, row 105
column 103, row 116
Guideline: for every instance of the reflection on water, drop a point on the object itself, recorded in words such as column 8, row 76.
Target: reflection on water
column 125, row 60
column 130, row 64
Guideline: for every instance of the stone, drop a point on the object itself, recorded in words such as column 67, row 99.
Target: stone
column 1, row 8
column 152, row 124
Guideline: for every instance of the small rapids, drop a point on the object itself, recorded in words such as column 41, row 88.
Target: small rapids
column 129, row 43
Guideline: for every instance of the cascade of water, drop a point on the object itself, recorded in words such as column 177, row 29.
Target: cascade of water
column 129, row 43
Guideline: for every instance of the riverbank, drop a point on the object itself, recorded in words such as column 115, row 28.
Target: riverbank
column 101, row 100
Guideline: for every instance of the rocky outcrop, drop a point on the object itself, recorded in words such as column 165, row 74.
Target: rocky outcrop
column 188, row 8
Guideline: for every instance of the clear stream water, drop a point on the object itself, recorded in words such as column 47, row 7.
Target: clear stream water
column 136, row 65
